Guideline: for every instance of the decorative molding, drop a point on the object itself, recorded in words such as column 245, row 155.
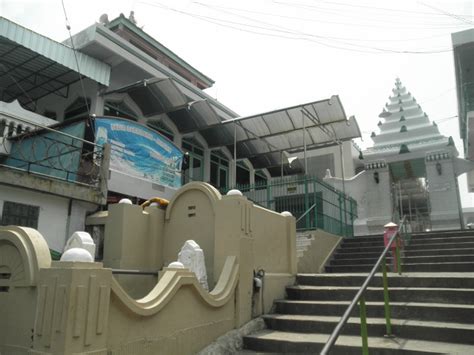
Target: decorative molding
column 435, row 156
column 380, row 164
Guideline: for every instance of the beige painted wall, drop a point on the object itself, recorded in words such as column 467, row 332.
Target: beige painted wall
column 319, row 252
column 76, row 307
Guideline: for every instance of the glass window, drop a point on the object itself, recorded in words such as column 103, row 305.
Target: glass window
column 242, row 174
column 197, row 169
column 260, row 178
column 3, row 125
column 195, row 172
column 219, row 170
column 119, row 109
column 162, row 128
column 20, row 215
column 223, row 176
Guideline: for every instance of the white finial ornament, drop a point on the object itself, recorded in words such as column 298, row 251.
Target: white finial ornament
column 234, row 192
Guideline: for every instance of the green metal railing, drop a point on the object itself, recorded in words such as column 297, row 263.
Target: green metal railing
column 314, row 204
column 401, row 237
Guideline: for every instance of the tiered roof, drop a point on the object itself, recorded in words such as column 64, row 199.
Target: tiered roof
column 404, row 127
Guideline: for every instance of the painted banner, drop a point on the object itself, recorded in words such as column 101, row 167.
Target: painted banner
column 139, row 151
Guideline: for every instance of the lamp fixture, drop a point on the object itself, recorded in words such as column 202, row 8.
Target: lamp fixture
column 376, row 177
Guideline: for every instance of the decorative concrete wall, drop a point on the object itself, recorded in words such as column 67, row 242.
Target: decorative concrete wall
column 319, row 252
column 446, row 210
column 79, row 307
column 371, row 189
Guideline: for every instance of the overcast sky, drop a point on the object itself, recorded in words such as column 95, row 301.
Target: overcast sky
column 268, row 54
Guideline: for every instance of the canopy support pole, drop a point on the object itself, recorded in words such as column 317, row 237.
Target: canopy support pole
column 234, row 182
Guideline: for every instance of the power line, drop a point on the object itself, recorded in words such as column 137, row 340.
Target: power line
column 225, row 23
column 68, row 27
column 298, row 32
column 391, row 10
column 457, row 17
column 319, row 9
column 317, row 21
column 286, row 30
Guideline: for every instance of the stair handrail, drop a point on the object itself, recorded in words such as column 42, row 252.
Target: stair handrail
column 359, row 296
column 306, row 212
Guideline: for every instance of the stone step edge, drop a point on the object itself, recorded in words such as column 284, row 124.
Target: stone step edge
column 370, row 288
column 377, row 304
column 370, row 320
column 355, row 341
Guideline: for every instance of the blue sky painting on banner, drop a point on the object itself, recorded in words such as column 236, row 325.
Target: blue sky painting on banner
column 139, row 151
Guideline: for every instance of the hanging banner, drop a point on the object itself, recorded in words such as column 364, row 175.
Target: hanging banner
column 139, row 151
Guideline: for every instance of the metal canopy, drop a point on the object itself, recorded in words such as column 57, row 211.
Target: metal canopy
column 162, row 95
column 260, row 138
column 154, row 96
column 32, row 66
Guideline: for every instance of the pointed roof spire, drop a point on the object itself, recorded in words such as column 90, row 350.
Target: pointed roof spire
column 404, row 123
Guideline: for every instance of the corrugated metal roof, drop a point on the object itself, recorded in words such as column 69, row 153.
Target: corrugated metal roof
column 260, row 138
column 49, row 51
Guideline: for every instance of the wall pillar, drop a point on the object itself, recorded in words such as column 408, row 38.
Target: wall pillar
column 207, row 166
column 443, row 191
column 73, row 309
column 379, row 210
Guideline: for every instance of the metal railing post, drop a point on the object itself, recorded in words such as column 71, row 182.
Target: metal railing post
column 269, row 194
column 340, row 216
column 306, row 202
column 386, row 300
column 363, row 326
column 359, row 299
column 315, row 205
column 397, row 252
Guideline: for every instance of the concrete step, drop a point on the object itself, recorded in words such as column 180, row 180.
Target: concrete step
column 396, row 294
column 449, row 280
column 407, row 252
column 442, row 239
column 411, row 247
column 372, row 238
column 437, row 312
column 409, row 329
column 443, row 251
column 407, row 259
column 414, row 241
column 437, row 245
column 356, row 249
column 465, row 232
column 413, row 267
column 378, row 243
column 289, row 342
column 358, row 255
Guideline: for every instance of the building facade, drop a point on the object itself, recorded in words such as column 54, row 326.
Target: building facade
column 411, row 171
column 123, row 73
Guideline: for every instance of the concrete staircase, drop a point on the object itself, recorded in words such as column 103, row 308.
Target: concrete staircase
column 432, row 303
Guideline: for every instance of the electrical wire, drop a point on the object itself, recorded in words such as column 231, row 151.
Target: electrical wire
column 381, row 8
column 319, row 9
column 457, row 17
column 9, row 73
column 68, row 27
column 233, row 24
column 290, row 31
column 317, row 21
